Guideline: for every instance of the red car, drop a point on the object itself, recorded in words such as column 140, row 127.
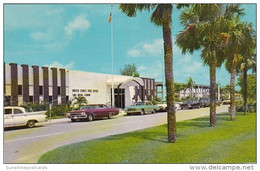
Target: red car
column 92, row 111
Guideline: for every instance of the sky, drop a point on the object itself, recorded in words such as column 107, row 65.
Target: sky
column 78, row 37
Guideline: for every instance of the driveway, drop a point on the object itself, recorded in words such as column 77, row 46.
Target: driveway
column 23, row 145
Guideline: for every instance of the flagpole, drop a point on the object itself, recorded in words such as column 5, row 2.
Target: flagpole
column 112, row 60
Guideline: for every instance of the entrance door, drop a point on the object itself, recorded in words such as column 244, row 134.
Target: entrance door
column 119, row 97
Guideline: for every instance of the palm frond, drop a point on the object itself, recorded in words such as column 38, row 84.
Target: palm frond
column 156, row 16
column 131, row 9
column 233, row 10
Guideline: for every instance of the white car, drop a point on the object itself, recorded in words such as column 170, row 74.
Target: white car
column 163, row 106
column 18, row 116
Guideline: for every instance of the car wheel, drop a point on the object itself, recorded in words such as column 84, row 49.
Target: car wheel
column 154, row 111
column 30, row 124
column 110, row 115
column 73, row 120
column 90, row 117
column 142, row 112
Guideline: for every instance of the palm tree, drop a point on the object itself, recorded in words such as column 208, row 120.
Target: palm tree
column 161, row 16
column 202, row 30
column 80, row 101
column 69, row 104
column 189, row 84
column 248, row 60
column 234, row 35
column 178, row 87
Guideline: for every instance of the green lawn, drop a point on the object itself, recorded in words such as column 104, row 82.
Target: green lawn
column 228, row 142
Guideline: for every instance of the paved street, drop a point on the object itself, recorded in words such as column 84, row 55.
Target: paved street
column 24, row 145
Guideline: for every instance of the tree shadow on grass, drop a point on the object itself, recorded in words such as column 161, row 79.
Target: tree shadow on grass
column 160, row 135
column 204, row 122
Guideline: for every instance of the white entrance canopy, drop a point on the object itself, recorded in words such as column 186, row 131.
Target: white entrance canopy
column 125, row 81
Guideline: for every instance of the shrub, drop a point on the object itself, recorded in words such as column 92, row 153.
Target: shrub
column 154, row 102
column 251, row 107
column 33, row 107
column 59, row 110
column 240, row 106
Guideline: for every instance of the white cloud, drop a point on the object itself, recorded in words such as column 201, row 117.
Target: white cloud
column 134, row 52
column 40, row 36
column 192, row 67
column 56, row 64
column 141, row 68
column 153, row 49
column 80, row 23
column 153, row 70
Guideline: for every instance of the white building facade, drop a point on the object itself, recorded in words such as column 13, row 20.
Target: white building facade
column 25, row 84
column 197, row 91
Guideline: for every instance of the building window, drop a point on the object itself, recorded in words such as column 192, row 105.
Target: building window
column 83, row 90
column 95, row 91
column 75, row 90
column 80, row 94
column 41, row 90
column 87, row 94
column 50, row 98
column 89, row 91
column 74, row 95
column 67, row 98
column 30, row 98
column 20, row 90
column 59, row 90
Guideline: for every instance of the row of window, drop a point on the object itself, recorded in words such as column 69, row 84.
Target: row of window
column 8, row 98
column 84, row 90
column 20, row 90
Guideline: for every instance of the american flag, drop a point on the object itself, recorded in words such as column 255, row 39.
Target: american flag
column 110, row 18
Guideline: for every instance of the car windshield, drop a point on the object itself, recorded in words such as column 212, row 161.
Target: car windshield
column 89, row 107
column 139, row 103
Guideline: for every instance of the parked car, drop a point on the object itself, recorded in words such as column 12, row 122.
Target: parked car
column 190, row 104
column 218, row 102
column 91, row 112
column 226, row 102
column 178, row 105
column 163, row 106
column 141, row 108
column 19, row 116
column 204, row 102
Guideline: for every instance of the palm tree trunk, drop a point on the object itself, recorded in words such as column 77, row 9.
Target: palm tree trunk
column 213, row 89
column 232, row 89
column 245, row 89
column 168, row 62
